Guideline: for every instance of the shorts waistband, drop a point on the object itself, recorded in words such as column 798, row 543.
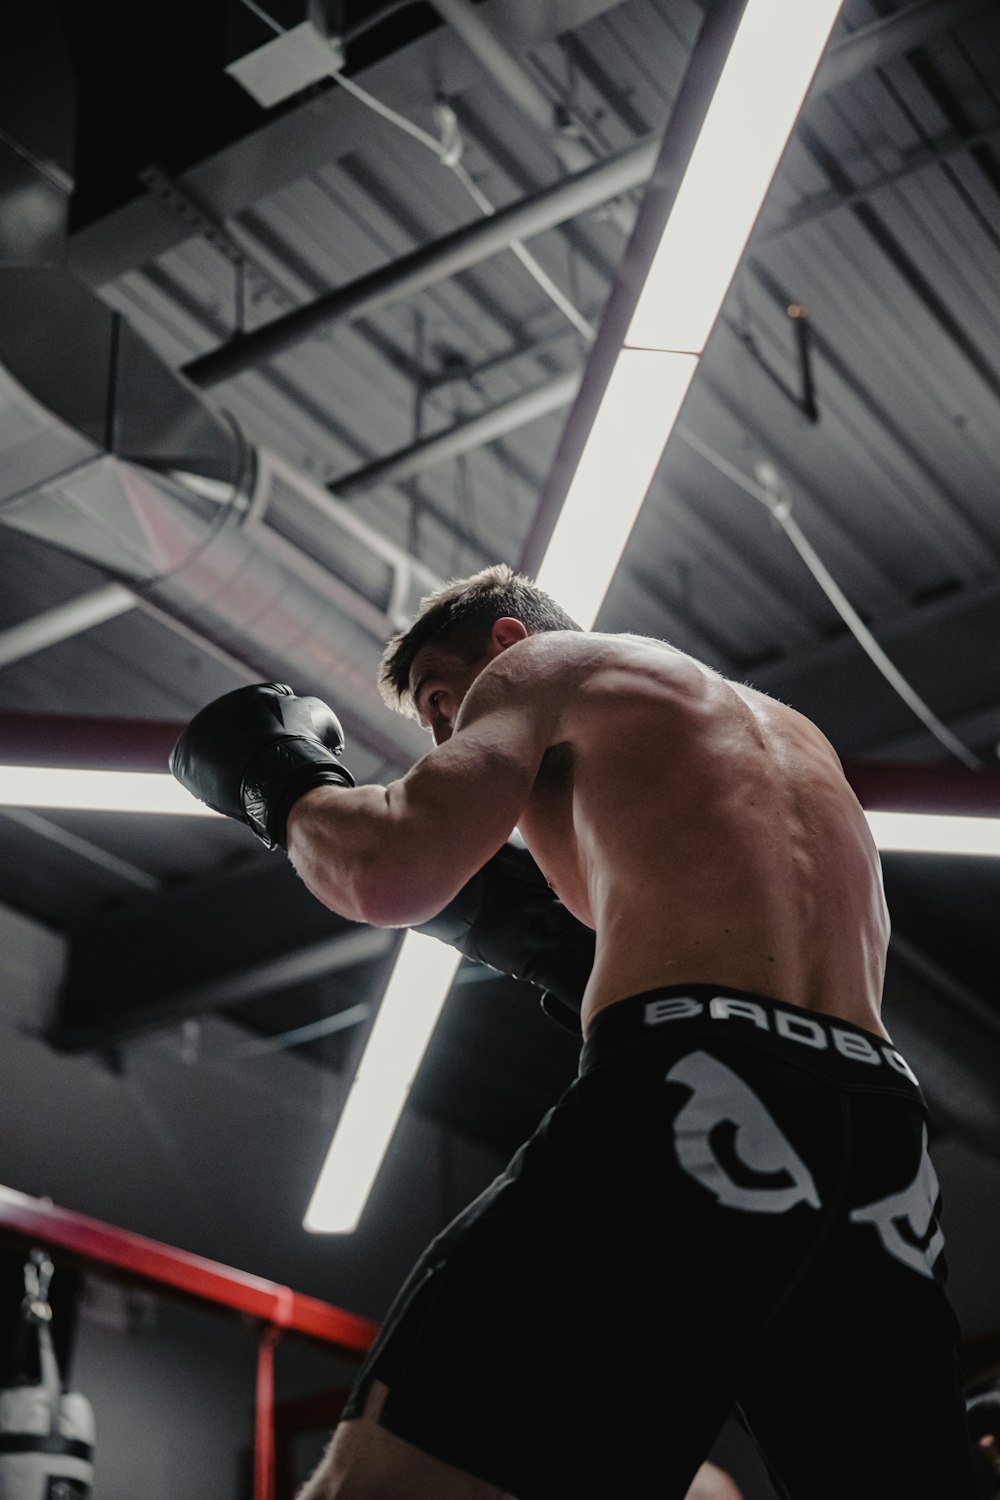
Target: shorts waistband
column 840, row 1050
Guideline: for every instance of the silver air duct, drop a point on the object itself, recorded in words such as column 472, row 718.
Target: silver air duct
column 108, row 454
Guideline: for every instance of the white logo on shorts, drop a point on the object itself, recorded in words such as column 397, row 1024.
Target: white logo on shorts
column 728, row 1142
column 904, row 1220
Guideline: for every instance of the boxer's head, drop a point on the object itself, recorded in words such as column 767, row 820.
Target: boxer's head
column 458, row 631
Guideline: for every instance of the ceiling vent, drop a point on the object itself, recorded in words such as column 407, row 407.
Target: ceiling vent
column 108, row 454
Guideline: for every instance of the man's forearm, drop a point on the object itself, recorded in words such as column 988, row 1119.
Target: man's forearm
column 338, row 843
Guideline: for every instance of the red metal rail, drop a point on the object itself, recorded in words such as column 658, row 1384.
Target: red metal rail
column 163, row 1267
column 166, row 1269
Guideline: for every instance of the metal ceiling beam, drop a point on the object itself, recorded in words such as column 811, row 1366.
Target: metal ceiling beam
column 881, row 42
column 514, row 78
column 980, row 361
column 293, row 392
column 54, row 625
column 557, row 125
column 316, row 960
column 300, row 141
column 463, row 248
column 463, row 437
column 430, row 264
column 949, row 649
column 942, row 149
column 980, row 726
column 212, row 944
column 94, row 855
column 309, row 136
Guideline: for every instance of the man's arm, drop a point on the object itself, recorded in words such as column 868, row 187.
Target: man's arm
column 394, row 856
column 509, row 918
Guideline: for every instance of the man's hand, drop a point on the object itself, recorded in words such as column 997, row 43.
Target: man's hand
column 253, row 753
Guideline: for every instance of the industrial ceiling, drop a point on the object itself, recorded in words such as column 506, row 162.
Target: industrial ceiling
column 333, row 289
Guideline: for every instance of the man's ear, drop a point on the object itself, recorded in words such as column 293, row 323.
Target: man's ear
column 508, row 631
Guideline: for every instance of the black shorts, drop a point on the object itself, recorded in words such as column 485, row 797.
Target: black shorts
column 731, row 1207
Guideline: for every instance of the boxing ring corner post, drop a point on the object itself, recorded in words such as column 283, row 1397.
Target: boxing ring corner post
column 263, row 1431
column 278, row 1311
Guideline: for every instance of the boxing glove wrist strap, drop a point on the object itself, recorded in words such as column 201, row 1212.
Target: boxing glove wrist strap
column 277, row 775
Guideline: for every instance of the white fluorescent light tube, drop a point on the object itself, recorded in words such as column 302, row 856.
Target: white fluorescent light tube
column 97, row 791
column 413, row 1001
column 934, row 833
column 769, row 68
column 147, row 792
column 638, row 410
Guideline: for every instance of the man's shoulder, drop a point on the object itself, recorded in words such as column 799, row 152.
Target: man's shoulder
column 562, row 662
column 534, row 678
column 575, row 650
column 556, row 664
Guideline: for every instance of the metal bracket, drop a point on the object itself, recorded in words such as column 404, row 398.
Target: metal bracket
column 805, row 398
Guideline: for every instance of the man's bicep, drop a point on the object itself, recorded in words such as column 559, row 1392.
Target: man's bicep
column 451, row 812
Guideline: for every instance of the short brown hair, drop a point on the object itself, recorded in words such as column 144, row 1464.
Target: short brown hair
column 461, row 614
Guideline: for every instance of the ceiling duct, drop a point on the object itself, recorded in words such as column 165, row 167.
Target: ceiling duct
column 108, row 454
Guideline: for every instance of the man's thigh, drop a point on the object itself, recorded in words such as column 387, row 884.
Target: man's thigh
column 367, row 1462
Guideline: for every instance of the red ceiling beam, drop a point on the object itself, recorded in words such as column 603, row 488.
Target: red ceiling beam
column 900, row 786
column 86, row 742
column 118, row 744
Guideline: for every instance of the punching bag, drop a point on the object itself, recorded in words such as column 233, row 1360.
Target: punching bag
column 46, row 1434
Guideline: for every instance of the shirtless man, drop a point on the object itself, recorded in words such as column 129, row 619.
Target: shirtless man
column 732, row 1205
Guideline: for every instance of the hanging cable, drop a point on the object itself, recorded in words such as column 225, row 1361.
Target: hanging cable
column 448, row 150
column 263, row 16
column 772, row 492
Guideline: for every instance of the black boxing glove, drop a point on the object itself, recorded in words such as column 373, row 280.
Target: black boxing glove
column 252, row 754
column 509, row 918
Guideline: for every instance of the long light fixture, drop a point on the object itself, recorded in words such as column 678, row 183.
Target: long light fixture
column 406, row 1018
column 97, row 791
column 766, row 74
column 934, row 833
column 142, row 792
column 758, row 93
column 643, row 397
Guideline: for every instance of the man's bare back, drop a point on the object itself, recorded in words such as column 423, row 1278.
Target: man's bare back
column 707, row 833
